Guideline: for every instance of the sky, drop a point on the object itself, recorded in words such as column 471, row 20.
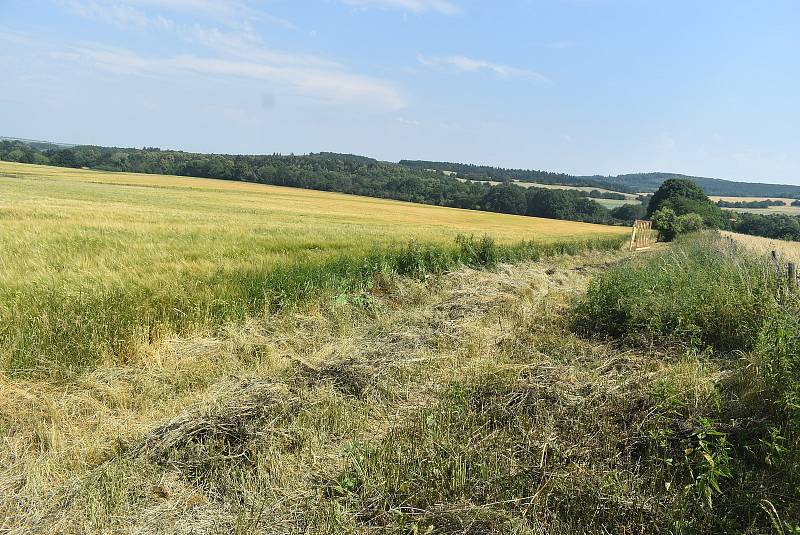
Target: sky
column 708, row 88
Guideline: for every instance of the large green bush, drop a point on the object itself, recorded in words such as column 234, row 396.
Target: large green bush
column 684, row 197
column 695, row 294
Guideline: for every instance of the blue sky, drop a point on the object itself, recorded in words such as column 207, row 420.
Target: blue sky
column 709, row 88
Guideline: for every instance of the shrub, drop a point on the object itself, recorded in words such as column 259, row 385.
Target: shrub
column 688, row 223
column 694, row 294
column 742, row 445
column 669, row 225
column 685, row 197
column 664, row 222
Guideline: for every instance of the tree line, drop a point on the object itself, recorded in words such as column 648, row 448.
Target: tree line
column 751, row 204
column 629, row 183
column 501, row 174
column 680, row 203
column 333, row 172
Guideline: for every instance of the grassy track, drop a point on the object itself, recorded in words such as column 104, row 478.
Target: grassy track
column 90, row 261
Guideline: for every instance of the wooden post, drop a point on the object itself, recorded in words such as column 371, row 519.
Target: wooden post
column 778, row 268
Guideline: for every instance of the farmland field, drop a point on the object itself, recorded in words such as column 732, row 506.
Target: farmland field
column 787, row 208
column 90, row 259
column 788, row 251
column 608, row 203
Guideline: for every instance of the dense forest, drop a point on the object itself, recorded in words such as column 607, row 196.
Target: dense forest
column 341, row 173
column 776, row 226
column 647, row 182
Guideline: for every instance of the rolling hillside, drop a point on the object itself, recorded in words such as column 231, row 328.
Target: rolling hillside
column 628, row 183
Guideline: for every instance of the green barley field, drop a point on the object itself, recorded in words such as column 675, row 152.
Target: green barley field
column 93, row 263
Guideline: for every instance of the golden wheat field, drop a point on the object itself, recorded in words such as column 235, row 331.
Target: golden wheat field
column 89, row 260
column 786, row 250
column 787, row 207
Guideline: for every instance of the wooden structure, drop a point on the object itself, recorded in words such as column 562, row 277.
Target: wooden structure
column 643, row 235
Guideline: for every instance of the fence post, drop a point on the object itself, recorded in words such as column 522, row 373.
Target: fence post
column 778, row 267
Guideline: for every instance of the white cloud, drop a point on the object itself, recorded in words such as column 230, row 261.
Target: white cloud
column 415, row 6
column 148, row 13
column 328, row 84
column 245, row 43
column 466, row 64
column 213, row 7
column 408, row 122
column 118, row 14
column 17, row 38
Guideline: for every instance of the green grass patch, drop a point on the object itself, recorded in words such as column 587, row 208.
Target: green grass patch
column 696, row 293
column 733, row 444
column 60, row 330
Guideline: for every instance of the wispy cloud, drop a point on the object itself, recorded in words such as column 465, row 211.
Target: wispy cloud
column 408, row 122
column 414, row 6
column 232, row 50
column 245, row 43
column 119, row 14
column 206, row 7
column 17, row 38
column 155, row 13
column 466, row 64
column 323, row 83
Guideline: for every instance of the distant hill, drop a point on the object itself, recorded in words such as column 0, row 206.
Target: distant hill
column 500, row 174
column 38, row 145
column 649, row 182
column 628, row 183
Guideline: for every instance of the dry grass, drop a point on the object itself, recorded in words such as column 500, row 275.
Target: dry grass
column 154, row 445
column 789, row 251
column 455, row 404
